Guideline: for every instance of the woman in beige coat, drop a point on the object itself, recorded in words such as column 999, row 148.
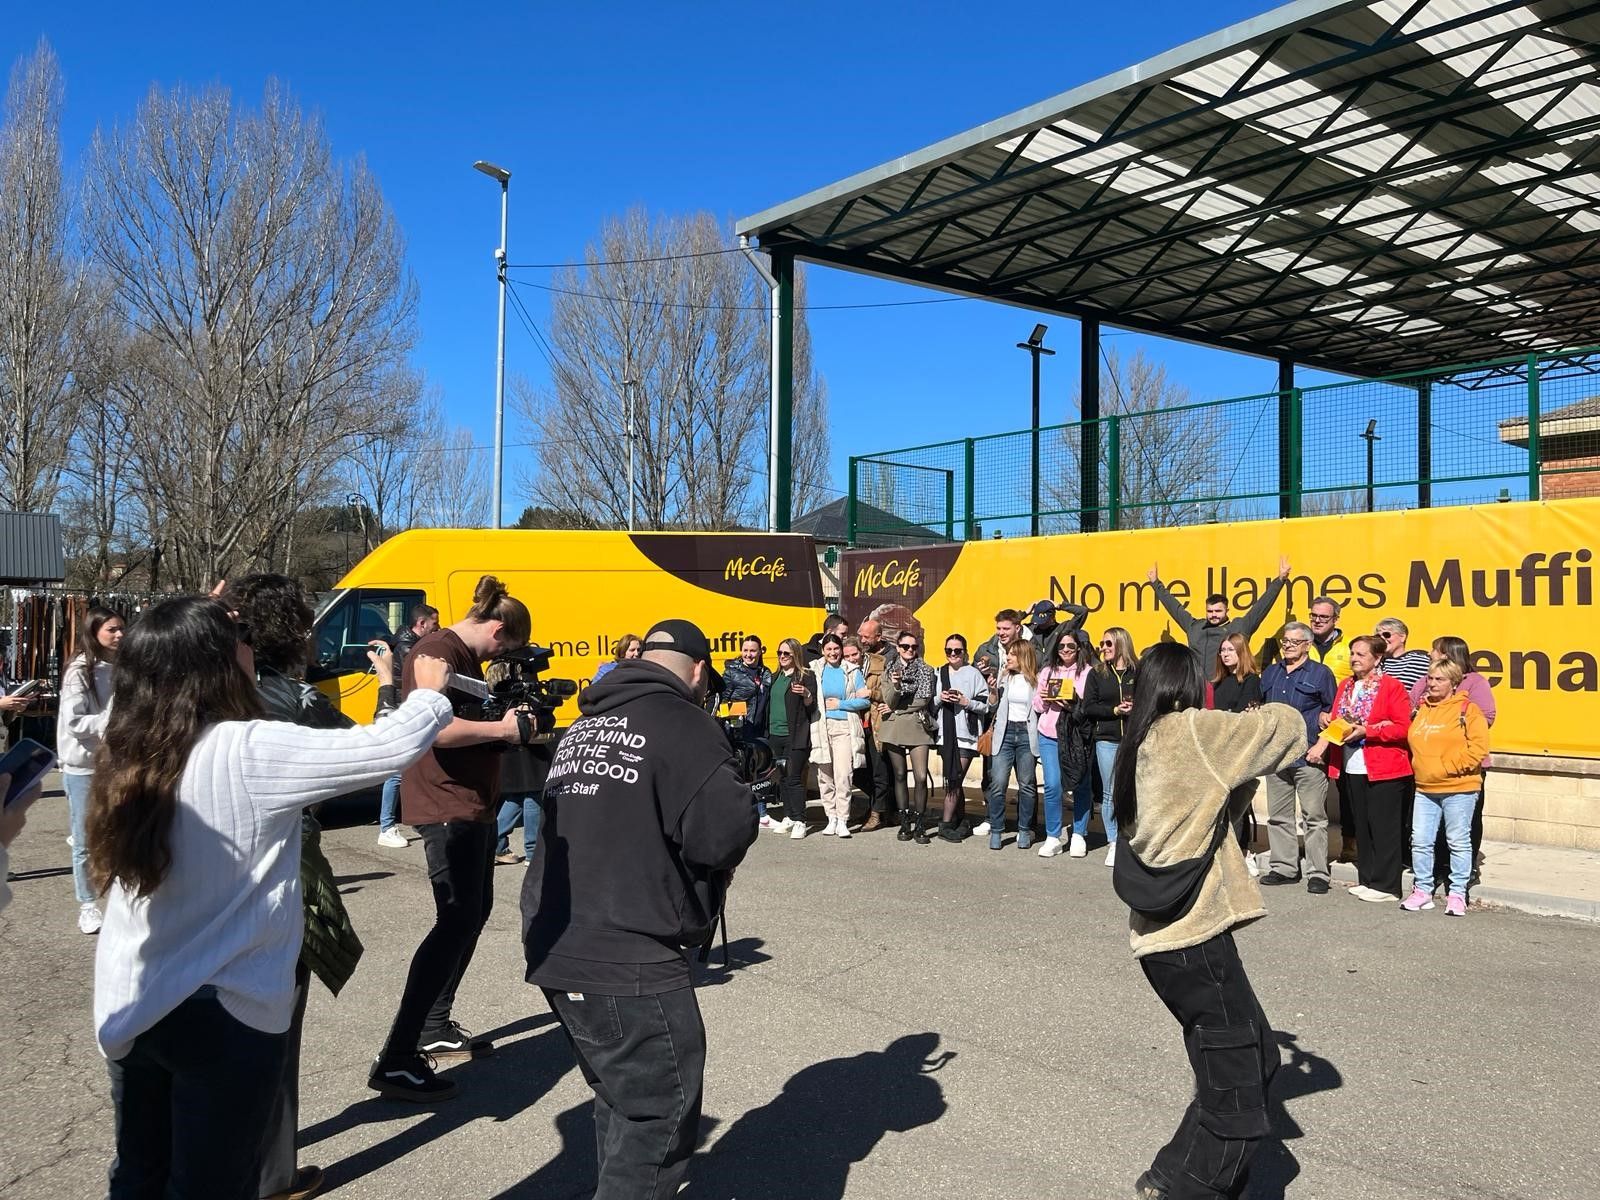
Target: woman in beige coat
column 1175, row 770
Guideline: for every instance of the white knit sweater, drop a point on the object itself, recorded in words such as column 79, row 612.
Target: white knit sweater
column 81, row 720
column 228, row 912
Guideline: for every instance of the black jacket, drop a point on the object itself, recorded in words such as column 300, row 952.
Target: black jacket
column 644, row 819
column 1101, row 695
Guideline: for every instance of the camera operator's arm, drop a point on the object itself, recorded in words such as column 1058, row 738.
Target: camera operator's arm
column 462, row 732
column 719, row 822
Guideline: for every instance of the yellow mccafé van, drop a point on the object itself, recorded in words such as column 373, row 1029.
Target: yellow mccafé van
column 584, row 589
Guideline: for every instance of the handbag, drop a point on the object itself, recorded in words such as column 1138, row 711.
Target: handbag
column 1164, row 894
column 986, row 741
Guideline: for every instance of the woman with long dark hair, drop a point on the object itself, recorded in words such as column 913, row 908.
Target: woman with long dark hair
column 1235, row 686
column 791, row 707
column 1176, row 767
column 1016, row 743
column 194, row 837
column 80, row 725
column 1107, row 701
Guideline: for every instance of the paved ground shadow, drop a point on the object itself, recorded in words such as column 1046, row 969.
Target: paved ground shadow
column 829, row 1116
column 1303, row 1074
column 723, row 963
column 496, row 1088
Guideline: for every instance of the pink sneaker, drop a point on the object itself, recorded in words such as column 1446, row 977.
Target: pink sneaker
column 1455, row 906
column 1418, row 901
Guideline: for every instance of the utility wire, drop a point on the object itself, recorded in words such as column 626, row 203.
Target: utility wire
column 625, row 262
column 761, row 308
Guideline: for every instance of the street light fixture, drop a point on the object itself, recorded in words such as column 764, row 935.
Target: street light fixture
column 503, row 177
column 1035, row 347
column 1370, row 437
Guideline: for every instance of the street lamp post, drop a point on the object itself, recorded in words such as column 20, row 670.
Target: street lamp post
column 629, row 415
column 1370, row 437
column 1035, row 347
column 503, row 176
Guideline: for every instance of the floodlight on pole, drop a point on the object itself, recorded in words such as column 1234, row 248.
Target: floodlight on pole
column 503, row 178
column 1035, row 347
column 1370, row 437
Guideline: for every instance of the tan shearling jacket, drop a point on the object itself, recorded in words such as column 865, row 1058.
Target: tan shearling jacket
column 1189, row 763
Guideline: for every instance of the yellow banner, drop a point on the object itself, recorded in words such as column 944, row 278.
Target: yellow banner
column 1516, row 581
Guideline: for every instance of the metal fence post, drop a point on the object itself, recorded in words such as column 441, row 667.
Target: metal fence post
column 1113, row 471
column 1533, row 427
column 969, row 517
column 850, row 506
column 949, row 506
column 1297, row 481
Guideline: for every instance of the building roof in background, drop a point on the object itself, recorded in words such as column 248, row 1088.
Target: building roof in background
column 830, row 526
column 31, row 548
column 1367, row 186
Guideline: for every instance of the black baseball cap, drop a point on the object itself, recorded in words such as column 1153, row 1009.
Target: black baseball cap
column 685, row 638
column 1044, row 610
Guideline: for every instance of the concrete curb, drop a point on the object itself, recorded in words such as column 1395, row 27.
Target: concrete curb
column 1576, row 907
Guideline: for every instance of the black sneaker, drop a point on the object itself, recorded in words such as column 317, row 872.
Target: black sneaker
column 1273, row 879
column 1317, row 887
column 410, row 1079
column 452, row 1041
column 1146, row 1188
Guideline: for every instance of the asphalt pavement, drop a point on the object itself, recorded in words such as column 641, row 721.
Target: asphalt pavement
column 900, row 1021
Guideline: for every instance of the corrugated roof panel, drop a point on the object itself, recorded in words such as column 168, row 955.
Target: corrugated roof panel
column 31, row 548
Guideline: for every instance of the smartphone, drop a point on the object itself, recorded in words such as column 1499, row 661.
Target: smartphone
column 25, row 763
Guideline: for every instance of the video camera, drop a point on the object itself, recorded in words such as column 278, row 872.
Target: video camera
column 519, row 687
column 753, row 757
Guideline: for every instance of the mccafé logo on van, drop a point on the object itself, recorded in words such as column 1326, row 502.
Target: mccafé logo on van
column 890, row 577
column 762, row 567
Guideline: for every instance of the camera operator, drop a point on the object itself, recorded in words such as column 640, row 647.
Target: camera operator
column 449, row 796
column 645, row 818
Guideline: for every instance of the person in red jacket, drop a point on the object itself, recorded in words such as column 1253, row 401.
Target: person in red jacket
column 1368, row 726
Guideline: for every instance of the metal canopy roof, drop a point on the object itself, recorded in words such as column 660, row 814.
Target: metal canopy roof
column 1368, row 186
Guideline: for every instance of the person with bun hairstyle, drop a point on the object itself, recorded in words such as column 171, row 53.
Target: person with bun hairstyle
column 450, row 796
column 194, row 840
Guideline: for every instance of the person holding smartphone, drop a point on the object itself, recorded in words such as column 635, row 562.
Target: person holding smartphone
column 1056, row 702
column 791, row 707
column 1107, row 701
column 80, row 724
column 960, row 706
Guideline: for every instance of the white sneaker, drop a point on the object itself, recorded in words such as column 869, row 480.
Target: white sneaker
column 1373, row 896
column 1251, row 865
column 782, row 826
column 1050, row 848
column 1360, row 891
column 980, row 829
column 1111, row 855
column 798, row 832
column 89, row 918
column 393, row 838
column 840, row 829
column 1080, row 848
column 827, row 830
column 765, row 822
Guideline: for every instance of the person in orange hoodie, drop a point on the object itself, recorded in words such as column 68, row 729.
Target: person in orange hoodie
column 1449, row 740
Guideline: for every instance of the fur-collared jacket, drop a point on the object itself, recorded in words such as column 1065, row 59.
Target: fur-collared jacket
column 1188, row 766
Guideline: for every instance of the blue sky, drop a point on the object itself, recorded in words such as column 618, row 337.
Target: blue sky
column 728, row 108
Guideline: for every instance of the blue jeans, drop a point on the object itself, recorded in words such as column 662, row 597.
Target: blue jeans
column 523, row 808
column 77, row 789
column 1456, row 809
column 1105, row 757
column 389, row 812
column 192, row 1100
column 1049, row 759
column 1012, row 752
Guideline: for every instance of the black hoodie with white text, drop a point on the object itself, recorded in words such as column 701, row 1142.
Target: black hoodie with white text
column 644, row 817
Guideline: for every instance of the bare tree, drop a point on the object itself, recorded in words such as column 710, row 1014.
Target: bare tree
column 266, row 287
column 659, row 314
column 40, row 291
column 809, row 466
column 1170, row 464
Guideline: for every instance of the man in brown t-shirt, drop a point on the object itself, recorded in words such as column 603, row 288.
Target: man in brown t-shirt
column 449, row 796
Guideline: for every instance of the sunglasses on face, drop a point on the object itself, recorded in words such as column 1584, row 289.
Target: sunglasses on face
column 1108, row 645
column 954, row 650
column 908, row 645
column 785, row 653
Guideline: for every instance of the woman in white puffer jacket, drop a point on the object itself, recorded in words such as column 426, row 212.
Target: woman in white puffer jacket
column 80, row 724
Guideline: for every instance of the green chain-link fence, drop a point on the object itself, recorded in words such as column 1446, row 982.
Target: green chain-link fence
column 1512, row 429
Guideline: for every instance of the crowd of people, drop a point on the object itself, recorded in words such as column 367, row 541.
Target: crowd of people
column 1396, row 738
column 194, row 755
